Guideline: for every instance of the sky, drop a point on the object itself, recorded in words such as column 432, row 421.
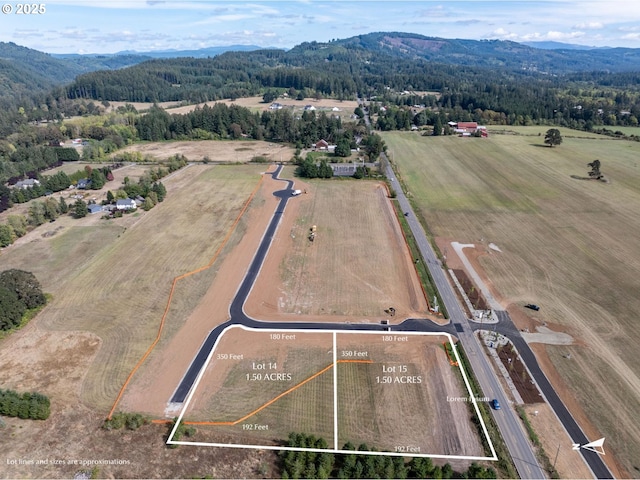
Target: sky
column 109, row 26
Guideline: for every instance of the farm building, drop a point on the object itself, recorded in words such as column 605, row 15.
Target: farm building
column 343, row 169
column 468, row 128
column 323, row 145
column 94, row 208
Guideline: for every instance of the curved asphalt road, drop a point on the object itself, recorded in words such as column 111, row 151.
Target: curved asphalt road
column 510, row 426
column 239, row 317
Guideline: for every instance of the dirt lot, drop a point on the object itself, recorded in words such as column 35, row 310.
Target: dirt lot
column 347, row 250
column 217, row 151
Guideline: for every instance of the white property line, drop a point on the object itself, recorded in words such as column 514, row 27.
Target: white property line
column 170, row 440
column 335, row 391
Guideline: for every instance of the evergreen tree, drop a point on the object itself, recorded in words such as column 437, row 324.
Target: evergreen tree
column 62, row 206
column 80, row 209
column 437, row 126
column 11, row 309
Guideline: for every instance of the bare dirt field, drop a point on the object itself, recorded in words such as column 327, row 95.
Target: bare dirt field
column 564, row 247
column 357, row 266
column 216, row 150
column 285, row 381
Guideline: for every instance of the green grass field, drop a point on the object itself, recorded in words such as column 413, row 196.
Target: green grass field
column 568, row 245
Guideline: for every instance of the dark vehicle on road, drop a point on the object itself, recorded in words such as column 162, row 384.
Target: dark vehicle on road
column 495, row 404
column 532, row 306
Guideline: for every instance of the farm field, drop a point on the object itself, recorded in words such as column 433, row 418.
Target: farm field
column 346, row 107
column 217, row 151
column 390, row 393
column 566, row 245
column 357, row 266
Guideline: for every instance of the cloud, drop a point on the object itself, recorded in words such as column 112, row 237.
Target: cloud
column 503, row 34
column 552, row 35
column 632, row 36
column 589, row 26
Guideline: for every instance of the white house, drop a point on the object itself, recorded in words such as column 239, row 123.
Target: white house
column 126, row 204
column 28, row 183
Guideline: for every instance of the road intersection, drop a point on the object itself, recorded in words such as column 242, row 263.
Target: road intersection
column 510, row 426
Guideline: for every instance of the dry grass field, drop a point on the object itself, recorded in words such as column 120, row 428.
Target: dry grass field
column 567, row 245
column 118, row 288
column 399, row 402
column 357, row 266
column 249, row 369
column 216, row 151
column 346, row 107
column 392, row 392
column 109, row 281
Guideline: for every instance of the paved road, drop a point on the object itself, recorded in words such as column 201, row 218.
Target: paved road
column 510, row 427
column 506, row 327
column 239, row 317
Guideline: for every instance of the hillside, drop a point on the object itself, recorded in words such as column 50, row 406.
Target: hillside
column 498, row 53
column 26, row 71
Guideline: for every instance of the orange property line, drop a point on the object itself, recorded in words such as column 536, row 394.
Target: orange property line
column 452, row 362
column 173, row 286
column 273, row 400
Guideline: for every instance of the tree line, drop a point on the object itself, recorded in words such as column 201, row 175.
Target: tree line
column 27, row 405
column 306, row 464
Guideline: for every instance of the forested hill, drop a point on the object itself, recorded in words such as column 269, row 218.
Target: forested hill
column 24, row 70
column 498, row 53
column 363, row 64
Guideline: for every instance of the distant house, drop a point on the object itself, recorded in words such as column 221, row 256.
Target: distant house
column 126, row 204
column 83, row 183
column 466, row 129
column 94, row 208
column 321, row 145
column 28, row 183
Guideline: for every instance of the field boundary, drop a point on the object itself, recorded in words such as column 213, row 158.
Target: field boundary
column 334, row 333
column 170, row 298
